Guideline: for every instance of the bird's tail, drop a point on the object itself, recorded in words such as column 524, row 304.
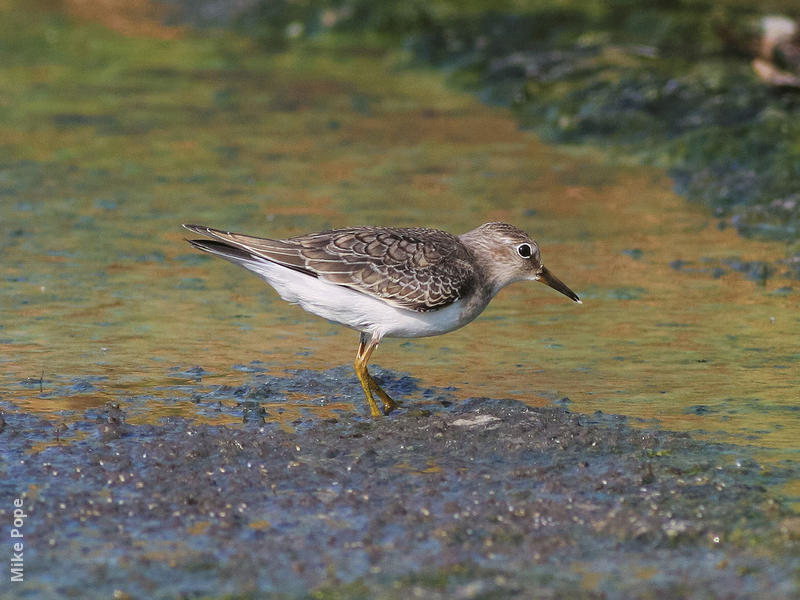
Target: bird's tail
column 226, row 251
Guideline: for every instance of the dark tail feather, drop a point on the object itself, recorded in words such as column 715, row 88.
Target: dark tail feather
column 235, row 254
column 226, row 251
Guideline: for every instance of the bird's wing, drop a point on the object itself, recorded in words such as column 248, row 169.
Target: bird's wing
column 417, row 269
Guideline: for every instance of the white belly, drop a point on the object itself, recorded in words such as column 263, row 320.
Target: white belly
column 361, row 311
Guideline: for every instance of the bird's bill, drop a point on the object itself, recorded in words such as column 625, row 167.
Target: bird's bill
column 554, row 282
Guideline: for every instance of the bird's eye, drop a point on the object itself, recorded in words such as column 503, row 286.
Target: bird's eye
column 524, row 250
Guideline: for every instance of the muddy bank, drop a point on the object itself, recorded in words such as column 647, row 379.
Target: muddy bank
column 473, row 499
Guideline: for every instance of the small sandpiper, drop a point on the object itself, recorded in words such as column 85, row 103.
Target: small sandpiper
column 387, row 281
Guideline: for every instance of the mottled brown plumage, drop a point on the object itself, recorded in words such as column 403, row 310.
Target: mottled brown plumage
column 416, row 268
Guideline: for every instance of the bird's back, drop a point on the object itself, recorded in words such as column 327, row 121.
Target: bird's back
column 416, row 269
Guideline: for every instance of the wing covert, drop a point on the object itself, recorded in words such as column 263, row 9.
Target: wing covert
column 418, row 269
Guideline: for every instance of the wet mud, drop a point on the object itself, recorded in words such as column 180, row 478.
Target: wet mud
column 475, row 499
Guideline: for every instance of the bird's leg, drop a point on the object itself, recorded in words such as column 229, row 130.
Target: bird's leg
column 365, row 347
column 360, row 366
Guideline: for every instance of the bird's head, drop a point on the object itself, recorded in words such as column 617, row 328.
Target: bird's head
column 509, row 254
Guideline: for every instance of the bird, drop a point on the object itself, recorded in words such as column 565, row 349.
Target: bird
column 388, row 281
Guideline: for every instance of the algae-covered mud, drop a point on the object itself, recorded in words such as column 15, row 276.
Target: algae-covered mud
column 172, row 428
column 485, row 498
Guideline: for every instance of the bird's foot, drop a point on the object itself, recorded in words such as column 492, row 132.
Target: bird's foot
column 389, row 404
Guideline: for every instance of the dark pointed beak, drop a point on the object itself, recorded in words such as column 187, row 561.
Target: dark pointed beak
column 554, row 282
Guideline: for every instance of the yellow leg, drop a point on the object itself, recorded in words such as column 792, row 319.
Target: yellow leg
column 388, row 403
column 360, row 365
column 369, row 385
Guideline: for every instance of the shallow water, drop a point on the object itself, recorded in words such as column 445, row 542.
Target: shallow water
column 110, row 142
